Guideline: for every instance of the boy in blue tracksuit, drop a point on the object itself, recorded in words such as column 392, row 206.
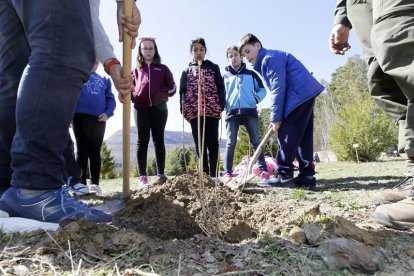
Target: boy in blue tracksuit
column 244, row 90
column 293, row 90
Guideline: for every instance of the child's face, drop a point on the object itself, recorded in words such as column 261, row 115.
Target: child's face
column 250, row 52
column 148, row 50
column 234, row 58
column 198, row 51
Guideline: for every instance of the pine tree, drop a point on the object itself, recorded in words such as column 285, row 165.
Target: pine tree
column 108, row 166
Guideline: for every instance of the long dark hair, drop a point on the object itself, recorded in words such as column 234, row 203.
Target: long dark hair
column 140, row 58
column 198, row 40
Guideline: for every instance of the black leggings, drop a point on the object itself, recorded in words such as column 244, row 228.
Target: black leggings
column 89, row 134
column 211, row 144
column 154, row 119
column 72, row 168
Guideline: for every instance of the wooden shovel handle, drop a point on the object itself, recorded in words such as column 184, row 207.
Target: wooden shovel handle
column 259, row 150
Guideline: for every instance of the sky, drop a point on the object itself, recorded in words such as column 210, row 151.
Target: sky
column 300, row 27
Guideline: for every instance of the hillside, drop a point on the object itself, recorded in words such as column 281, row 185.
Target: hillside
column 172, row 139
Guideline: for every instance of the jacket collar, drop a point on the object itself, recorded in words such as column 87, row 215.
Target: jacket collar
column 260, row 55
column 230, row 69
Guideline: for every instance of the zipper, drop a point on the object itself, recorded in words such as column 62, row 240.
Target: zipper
column 149, row 82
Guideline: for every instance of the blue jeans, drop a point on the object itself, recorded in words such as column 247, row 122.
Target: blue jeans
column 232, row 126
column 55, row 39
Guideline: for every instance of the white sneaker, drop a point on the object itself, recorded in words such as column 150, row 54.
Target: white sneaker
column 95, row 189
column 21, row 225
column 80, row 189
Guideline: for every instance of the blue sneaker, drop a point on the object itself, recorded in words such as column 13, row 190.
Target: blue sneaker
column 278, row 181
column 52, row 206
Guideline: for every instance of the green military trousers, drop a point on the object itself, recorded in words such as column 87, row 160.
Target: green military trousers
column 385, row 30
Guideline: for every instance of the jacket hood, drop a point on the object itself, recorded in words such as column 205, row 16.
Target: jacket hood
column 230, row 69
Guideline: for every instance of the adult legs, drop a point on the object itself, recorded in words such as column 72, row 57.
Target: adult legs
column 14, row 54
column 49, row 88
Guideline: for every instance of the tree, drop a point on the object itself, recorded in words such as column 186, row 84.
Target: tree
column 354, row 117
column 179, row 159
column 108, row 170
column 243, row 146
column 151, row 165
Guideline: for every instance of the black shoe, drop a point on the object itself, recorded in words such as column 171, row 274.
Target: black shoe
column 305, row 182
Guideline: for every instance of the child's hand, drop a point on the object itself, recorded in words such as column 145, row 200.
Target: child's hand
column 275, row 126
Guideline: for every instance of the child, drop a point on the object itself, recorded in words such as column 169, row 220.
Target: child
column 209, row 108
column 154, row 83
column 95, row 106
column 244, row 90
column 293, row 90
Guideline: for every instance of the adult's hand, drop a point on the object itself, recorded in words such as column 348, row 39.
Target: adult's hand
column 338, row 40
column 128, row 24
column 123, row 85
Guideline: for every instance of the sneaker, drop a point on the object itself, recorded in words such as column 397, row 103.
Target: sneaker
column 45, row 210
column 95, row 189
column 305, row 182
column 227, row 177
column 398, row 193
column 398, row 215
column 160, row 179
column 143, row 182
column 80, row 189
column 278, row 181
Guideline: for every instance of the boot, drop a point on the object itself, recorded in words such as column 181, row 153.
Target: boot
column 398, row 193
column 398, row 215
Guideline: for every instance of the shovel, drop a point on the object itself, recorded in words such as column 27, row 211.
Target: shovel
column 240, row 181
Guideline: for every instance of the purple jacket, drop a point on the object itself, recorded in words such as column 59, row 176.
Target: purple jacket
column 153, row 84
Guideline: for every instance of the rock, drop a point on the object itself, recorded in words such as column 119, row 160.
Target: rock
column 312, row 233
column 207, row 257
column 20, row 270
column 411, row 264
column 346, row 228
column 351, row 254
column 297, row 234
column 410, row 251
column 127, row 238
column 313, row 211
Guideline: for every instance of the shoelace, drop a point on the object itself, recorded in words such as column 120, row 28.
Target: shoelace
column 66, row 197
column 404, row 183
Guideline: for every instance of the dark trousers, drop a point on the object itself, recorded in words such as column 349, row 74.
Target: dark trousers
column 211, row 144
column 72, row 168
column 89, row 134
column 151, row 120
column 34, row 126
column 295, row 138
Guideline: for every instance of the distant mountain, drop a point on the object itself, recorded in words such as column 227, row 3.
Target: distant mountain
column 172, row 140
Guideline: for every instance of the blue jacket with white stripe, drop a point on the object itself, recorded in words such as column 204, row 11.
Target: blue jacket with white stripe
column 244, row 90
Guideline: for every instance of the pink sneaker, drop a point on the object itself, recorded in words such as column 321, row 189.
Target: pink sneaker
column 143, row 182
column 227, row 178
column 264, row 176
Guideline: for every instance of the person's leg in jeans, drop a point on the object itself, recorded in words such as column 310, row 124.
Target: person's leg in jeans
column 212, row 144
column 48, row 91
column 72, row 168
column 80, row 129
column 252, row 126
column 143, row 129
column 194, row 131
column 232, row 127
column 14, row 54
column 159, row 115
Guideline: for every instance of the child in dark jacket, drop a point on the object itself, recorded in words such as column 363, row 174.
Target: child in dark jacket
column 293, row 90
column 244, row 90
column 154, row 84
column 206, row 106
